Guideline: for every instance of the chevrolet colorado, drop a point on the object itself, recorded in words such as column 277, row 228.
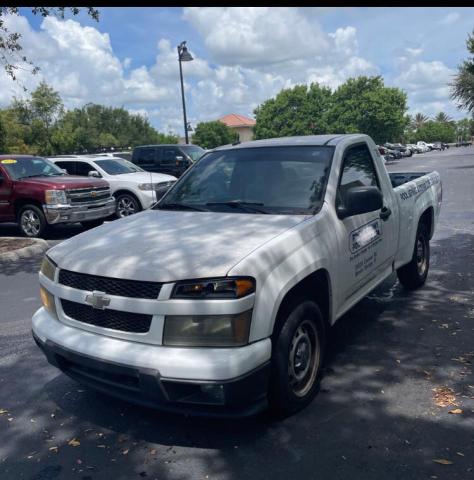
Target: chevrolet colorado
column 219, row 299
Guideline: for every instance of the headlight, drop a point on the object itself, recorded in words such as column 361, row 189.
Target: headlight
column 48, row 268
column 56, row 197
column 207, row 330
column 155, row 186
column 48, row 301
column 214, row 288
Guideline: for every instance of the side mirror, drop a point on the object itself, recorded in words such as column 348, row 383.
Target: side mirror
column 63, row 170
column 95, row 174
column 358, row 200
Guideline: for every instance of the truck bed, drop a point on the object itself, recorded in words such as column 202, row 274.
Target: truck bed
column 399, row 178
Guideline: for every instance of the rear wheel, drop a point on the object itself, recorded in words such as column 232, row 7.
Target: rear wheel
column 297, row 359
column 32, row 221
column 413, row 275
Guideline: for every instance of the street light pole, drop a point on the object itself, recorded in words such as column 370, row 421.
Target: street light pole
column 183, row 56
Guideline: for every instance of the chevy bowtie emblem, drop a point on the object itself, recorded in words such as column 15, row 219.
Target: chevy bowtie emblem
column 98, row 300
column 93, row 194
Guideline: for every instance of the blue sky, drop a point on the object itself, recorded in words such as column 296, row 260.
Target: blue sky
column 242, row 55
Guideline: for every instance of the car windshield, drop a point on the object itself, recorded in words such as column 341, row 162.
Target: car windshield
column 115, row 166
column 27, row 167
column 194, row 152
column 277, row 180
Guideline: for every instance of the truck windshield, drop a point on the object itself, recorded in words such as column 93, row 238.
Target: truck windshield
column 117, row 167
column 276, row 180
column 26, row 167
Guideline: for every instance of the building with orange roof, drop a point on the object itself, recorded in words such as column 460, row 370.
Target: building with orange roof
column 242, row 125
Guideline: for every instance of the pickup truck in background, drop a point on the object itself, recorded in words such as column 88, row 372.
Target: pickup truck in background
column 36, row 194
column 219, row 299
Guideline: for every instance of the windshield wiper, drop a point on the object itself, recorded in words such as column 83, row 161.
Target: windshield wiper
column 252, row 207
column 179, row 206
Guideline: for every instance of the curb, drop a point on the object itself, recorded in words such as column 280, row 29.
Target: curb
column 40, row 246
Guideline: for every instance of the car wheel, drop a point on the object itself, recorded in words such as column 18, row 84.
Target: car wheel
column 127, row 205
column 298, row 351
column 32, row 221
column 413, row 275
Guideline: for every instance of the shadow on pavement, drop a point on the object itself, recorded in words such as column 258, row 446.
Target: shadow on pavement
column 375, row 416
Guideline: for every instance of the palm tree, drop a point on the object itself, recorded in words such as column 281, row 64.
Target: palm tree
column 462, row 89
column 443, row 118
column 419, row 120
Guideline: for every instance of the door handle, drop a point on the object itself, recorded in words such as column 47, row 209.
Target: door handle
column 385, row 213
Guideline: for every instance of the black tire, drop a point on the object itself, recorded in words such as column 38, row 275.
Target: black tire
column 126, row 204
column 32, row 221
column 302, row 330
column 413, row 275
column 93, row 223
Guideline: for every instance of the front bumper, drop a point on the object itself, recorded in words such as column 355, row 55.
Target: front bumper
column 78, row 213
column 222, row 382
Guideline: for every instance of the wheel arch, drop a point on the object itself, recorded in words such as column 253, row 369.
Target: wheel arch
column 427, row 218
column 21, row 202
column 315, row 286
column 122, row 191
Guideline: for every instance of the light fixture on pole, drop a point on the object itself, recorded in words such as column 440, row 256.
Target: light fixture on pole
column 183, row 56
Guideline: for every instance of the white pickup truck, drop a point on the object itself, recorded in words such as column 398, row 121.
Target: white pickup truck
column 218, row 300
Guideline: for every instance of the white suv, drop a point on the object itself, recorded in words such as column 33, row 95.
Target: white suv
column 134, row 188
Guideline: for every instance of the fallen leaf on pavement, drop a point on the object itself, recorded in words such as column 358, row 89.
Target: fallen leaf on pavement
column 125, row 452
column 460, row 454
column 100, row 446
column 3, row 411
column 456, row 411
column 444, row 397
column 152, row 451
column 53, row 449
column 74, row 442
column 442, row 461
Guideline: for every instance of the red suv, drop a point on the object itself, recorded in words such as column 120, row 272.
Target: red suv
column 35, row 193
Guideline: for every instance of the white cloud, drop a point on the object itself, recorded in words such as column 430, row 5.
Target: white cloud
column 450, row 18
column 256, row 36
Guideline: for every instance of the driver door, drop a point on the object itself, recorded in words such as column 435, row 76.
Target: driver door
column 361, row 237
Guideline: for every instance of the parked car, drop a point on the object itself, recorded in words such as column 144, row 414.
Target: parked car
column 133, row 188
column 403, row 149
column 424, row 146
column 36, row 194
column 224, row 303
column 415, row 148
column 171, row 159
column 438, row 146
column 394, row 153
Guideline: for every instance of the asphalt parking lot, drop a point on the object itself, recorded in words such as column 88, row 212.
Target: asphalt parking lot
column 393, row 361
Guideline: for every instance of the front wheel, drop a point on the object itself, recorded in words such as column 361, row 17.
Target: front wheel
column 413, row 275
column 32, row 221
column 297, row 359
column 127, row 205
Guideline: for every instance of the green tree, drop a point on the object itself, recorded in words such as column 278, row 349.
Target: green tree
column 443, row 118
column 464, row 129
column 419, row 120
column 433, row 131
column 11, row 56
column 39, row 113
column 213, row 134
column 462, row 89
column 366, row 105
column 300, row 110
column 3, row 136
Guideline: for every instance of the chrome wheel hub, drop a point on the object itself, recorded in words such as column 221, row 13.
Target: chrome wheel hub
column 126, row 206
column 30, row 223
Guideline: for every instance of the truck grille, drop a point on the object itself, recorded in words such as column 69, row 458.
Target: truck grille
column 112, row 286
column 122, row 321
column 87, row 195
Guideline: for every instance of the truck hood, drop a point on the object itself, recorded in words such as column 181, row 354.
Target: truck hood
column 64, row 182
column 164, row 246
column 144, row 177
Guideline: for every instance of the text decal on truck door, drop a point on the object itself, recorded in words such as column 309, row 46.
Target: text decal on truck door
column 365, row 235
